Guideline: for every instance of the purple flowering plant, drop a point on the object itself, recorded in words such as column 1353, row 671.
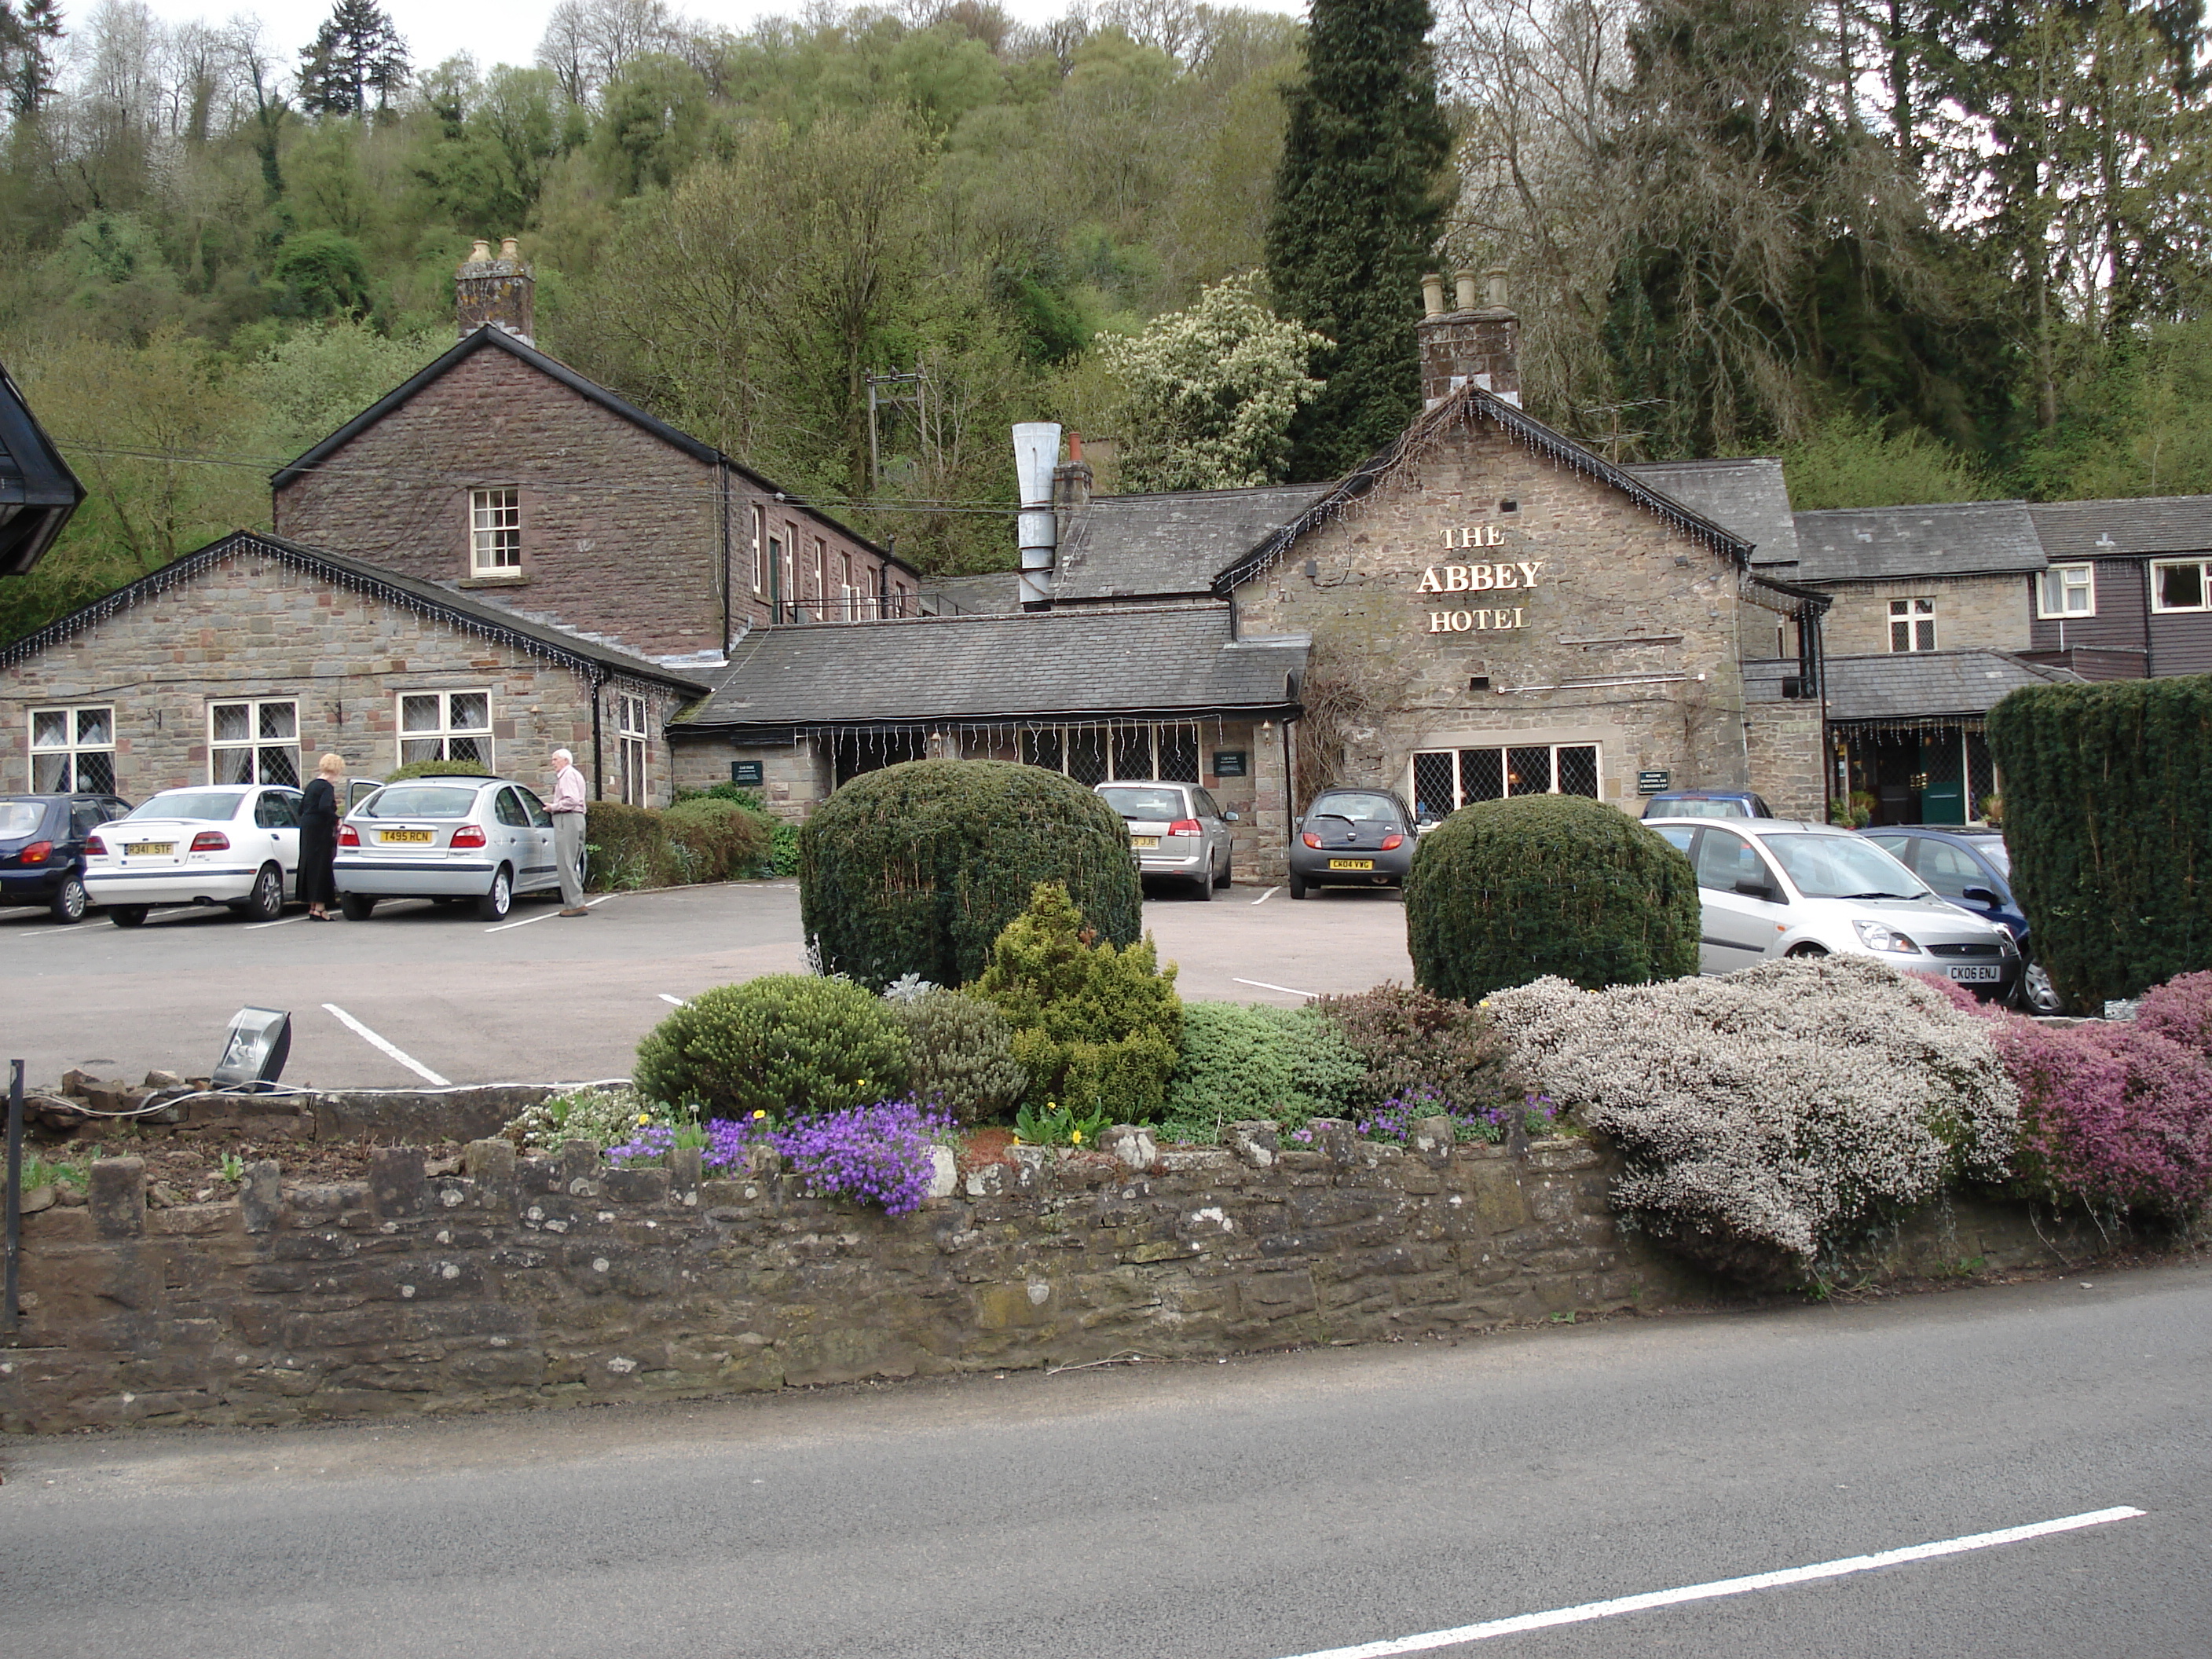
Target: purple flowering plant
column 878, row 1154
column 1395, row 1118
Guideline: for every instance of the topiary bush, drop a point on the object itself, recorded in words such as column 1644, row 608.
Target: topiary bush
column 1241, row 1060
column 919, row 868
column 786, row 1044
column 961, row 1055
column 1095, row 1028
column 711, row 840
column 2108, row 819
column 1506, row 891
column 1768, row 1117
column 1411, row 1042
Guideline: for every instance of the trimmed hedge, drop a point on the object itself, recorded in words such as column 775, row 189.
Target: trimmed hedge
column 633, row 847
column 787, row 1044
column 439, row 769
column 920, row 867
column 2108, row 817
column 1507, row 891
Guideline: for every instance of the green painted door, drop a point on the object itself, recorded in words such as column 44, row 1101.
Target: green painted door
column 1943, row 768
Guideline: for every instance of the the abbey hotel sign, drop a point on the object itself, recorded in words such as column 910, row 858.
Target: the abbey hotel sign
column 1495, row 578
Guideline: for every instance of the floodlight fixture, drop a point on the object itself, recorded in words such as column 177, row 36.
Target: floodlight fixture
column 254, row 1049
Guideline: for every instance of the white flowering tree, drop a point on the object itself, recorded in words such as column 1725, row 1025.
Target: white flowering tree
column 1207, row 394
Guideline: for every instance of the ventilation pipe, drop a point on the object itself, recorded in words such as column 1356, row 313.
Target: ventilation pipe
column 1037, row 452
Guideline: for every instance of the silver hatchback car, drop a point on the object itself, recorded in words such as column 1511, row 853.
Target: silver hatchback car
column 483, row 839
column 1175, row 829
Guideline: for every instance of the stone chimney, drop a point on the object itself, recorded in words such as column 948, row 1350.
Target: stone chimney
column 494, row 292
column 1071, row 481
column 1474, row 342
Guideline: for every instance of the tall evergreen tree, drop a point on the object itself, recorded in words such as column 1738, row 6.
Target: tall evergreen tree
column 1359, row 197
column 357, row 49
column 29, row 39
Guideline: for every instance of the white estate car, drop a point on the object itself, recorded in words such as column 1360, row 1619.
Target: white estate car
column 482, row 839
column 1777, row 887
column 236, row 844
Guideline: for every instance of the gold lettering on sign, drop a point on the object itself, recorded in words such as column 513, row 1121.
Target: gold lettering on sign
column 1474, row 535
column 1477, row 578
column 1468, row 622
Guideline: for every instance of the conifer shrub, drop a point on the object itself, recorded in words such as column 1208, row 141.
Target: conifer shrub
column 626, row 847
column 1095, row 1028
column 2108, row 818
column 1241, row 1060
column 961, row 1055
column 919, row 868
column 711, row 840
column 787, row 1044
column 1411, row 1042
column 1507, row 891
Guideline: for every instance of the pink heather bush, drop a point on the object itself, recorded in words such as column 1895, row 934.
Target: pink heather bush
column 2111, row 1117
column 2180, row 1009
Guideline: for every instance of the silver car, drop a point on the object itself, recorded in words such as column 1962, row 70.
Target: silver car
column 1175, row 829
column 1777, row 887
column 483, row 839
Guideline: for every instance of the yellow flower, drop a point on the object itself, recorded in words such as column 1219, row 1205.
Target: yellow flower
column 1017, row 1141
column 760, row 1114
column 644, row 1117
column 1076, row 1138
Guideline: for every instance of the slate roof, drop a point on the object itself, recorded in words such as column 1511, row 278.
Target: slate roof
column 1912, row 684
column 998, row 591
column 38, row 491
column 2114, row 529
column 463, row 610
column 1749, row 496
column 1131, row 662
column 493, row 338
column 1883, row 543
column 1171, row 543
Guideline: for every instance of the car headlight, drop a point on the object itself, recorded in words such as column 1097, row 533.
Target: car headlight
column 1876, row 937
column 2006, row 942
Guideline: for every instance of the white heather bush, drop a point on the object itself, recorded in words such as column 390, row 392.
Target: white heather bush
column 1766, row 1115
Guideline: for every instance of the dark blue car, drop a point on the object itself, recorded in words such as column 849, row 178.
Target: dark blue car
column 1972, row 869
column 1707, row 804
column 42, row 849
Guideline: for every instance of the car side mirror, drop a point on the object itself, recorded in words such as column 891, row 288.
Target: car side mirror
column 1232, row 817
column 1981, row 895
column 1757, row 889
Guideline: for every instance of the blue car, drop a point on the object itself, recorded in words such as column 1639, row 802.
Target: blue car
column 42, row 849
column 1972, row 869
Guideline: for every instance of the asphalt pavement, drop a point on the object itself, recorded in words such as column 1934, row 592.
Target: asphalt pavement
column 421, row 992
column 1262, row 1508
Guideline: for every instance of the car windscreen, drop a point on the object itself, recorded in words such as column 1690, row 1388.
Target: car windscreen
column 219, row 805
column 408, row 801
column 20, row 817
column 1358, row 809
column 1842, row 866
column 1702, row 809
column 1145, row 803
column 1997, row 853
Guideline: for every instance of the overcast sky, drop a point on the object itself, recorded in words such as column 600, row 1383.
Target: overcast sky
column 506, row 31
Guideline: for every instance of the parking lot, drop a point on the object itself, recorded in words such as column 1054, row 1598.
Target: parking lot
column 420, row 994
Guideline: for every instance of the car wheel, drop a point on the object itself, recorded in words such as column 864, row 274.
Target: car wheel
column 1297, row 885
column 1808, row 951
column 266, row 901
column 127, row 915
column 1222, row 880
column 495, row 905
column 356, row 907
column 2037, row 993
column 69, row 902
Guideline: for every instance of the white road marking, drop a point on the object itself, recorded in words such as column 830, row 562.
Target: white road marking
column 678, row 1001
column 1286, row 989
column 502, row 926
column 392, row 1050
column 284, row 921
column 46, row 933
column 1265, row 897
column 1757, row 1581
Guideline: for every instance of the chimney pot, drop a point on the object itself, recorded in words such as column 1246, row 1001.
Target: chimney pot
column 495, row 294
column 1470, row 347
column 1464, row 282
column 1494, row 281
column 1432, row 294
column 512, row 254
column 481, row 252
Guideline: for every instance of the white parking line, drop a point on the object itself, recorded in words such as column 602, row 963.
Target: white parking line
column 1265, row 897
column 392, row 1050
column 283, row 921
column 1286, row 989
column 678, row 1001
column 1757, row 1581
column 48, row 932
column 502, row 926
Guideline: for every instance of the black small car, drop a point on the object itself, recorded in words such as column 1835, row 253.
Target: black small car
column 42, row 849
column 1353, row 838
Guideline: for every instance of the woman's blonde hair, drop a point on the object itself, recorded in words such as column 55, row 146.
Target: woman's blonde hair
column 332, row 763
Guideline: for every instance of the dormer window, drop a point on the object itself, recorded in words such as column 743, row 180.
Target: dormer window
column 495, row 532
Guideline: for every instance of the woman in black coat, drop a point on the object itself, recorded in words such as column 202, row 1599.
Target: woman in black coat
column 318, row 837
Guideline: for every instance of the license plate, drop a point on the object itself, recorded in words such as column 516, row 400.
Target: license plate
column 414, row 838
column 1351, row 864
column 1977, row 975
column 1144, row 841
column 149, row 848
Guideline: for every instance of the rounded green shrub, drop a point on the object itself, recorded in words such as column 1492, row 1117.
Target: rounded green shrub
column 711, row 840
column 439, row 769
column 961, row 1056
column 1507, row 891
column 786, row 1044
column 1242, row 1061
column 919, row 868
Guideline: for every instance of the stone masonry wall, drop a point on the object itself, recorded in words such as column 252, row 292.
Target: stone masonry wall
column 1784, row 743
column 1991, row 613
column 253, row 626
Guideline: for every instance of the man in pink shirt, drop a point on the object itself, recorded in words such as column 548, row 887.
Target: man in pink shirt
column 568, row 809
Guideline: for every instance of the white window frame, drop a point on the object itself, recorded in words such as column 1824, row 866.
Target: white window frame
column 1917, row 616
column 634, row 748
column 1502, row 750
column 73, row 749
column 257, row 744
column 442, row 734
column 2061, row 579
column 760, row 552
column 495, row 531
column 2203, row 568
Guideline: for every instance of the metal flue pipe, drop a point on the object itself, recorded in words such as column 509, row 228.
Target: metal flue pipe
column 1037, row 453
